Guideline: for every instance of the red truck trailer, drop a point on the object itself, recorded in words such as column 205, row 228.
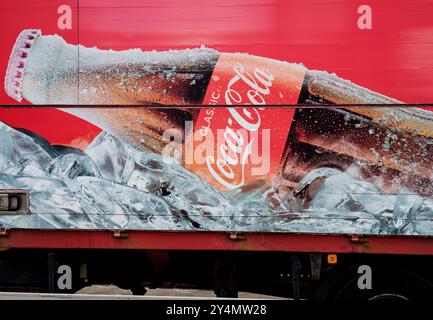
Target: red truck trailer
column 339, row 224
column 208, row 168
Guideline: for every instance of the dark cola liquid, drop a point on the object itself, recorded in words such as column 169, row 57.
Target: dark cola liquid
column 348, row 139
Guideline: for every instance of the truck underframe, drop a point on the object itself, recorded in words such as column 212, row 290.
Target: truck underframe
column 299, row 266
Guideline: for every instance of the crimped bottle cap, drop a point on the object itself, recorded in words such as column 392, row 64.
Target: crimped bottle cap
column 17, row 62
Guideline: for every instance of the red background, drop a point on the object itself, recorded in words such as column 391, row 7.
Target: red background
column 394, row 58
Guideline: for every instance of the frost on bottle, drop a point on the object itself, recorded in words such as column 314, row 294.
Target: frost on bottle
column 228, row 147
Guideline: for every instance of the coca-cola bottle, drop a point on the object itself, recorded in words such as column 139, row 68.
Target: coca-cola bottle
column 47, row 70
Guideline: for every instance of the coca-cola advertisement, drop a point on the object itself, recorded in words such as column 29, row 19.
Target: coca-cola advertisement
column 263, row 115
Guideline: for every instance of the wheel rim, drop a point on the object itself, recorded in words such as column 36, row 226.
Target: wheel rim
column 388, row 296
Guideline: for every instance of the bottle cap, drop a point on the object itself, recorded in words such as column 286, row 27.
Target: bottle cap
column 17, row 62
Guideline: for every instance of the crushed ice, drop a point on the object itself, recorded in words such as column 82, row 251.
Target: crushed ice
column 112, row 185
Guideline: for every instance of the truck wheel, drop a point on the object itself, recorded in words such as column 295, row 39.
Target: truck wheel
column 138, row 291
column 226, row 293
column 388, row 284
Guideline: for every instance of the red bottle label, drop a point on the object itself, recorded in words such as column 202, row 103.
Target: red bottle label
column 234, row 146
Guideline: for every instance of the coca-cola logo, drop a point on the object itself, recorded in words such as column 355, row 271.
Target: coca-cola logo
column 259, row 82
column 235, row 150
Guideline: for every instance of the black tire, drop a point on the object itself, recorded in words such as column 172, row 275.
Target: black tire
column 227, row 293
column 388, row 284
column 139, row 291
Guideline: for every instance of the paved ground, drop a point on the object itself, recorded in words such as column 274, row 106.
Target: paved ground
column 96, row 289
column 98, row 292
